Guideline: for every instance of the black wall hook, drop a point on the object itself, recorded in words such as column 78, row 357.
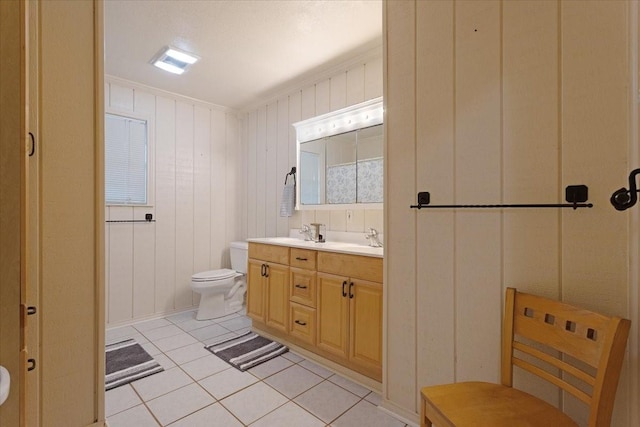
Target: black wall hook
column 623, row 199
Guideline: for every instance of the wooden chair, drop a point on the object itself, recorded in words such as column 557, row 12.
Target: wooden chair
column 557, row 329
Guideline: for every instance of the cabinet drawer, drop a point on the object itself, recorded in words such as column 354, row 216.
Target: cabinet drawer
column 303, row 258
column 303, row 287
column 357, row 266
column 272, row 253
column 303, row 323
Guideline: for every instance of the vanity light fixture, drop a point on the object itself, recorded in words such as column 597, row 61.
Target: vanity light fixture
column 173, row 60
column 369, row 113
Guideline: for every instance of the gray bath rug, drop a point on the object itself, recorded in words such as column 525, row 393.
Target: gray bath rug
column 247, row 350
column 127, row 361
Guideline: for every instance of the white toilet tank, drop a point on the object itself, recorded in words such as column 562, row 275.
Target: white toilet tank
column 239, row 254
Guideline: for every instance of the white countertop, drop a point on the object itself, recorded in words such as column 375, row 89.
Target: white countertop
column 340, row 247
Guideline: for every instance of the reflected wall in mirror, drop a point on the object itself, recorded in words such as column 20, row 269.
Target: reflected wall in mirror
column 343, row 164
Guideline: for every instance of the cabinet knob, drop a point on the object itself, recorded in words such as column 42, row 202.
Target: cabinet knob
column 301, row 286
column 301, row 323
column 351, row 290
column 344, row 292
column 301, row 259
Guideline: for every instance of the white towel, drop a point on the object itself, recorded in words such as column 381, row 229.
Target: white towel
column 288, row 203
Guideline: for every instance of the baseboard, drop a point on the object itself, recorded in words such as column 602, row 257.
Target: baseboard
column 153, row 316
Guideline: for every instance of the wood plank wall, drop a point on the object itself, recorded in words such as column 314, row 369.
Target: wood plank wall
column 500, row 102
column 269, row 144
column 194, row 169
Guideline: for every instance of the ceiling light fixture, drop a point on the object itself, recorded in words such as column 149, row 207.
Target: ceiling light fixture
column 173, row 60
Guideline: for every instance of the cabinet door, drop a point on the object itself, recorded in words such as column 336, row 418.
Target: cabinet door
column 277, row 296
column 365, row 324
column 333, row 314
column 255, row 291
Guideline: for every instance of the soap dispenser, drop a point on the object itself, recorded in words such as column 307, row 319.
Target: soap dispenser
column 319, row 232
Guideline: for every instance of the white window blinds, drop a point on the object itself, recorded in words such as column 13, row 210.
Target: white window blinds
column 125, row 160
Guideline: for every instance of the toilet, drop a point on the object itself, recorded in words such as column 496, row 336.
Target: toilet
column 222, row 291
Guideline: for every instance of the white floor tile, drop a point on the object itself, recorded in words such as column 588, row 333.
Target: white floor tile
column 158, row 384
column 122, row 332
column 140, row 339
column 294, row 357
column 164, row 361
column 138, row 416
column 236, row 323
column 162, row 332
column 349, row 385
column 270, row 367
column 293, row 381
column 253, row 402
column 289, row 414
column 176, row 341
column 205, row 366
column 316, row 369
column 210, row 331
column 219, row 338
column 227, row 317
column 188, row 353
column 120, row 398
column 374, row 398
column 192, row 324
column 182, row 317
column 151, row 324
column 151, row 349
column 211, row 416
column 229, row 381
column 326, row 401
column 366, row 414
column 179, row 403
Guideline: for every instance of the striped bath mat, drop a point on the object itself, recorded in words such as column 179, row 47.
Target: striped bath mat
column 247, row 350
column 127, row 361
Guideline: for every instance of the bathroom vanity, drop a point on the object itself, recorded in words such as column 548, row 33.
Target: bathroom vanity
column 323, row 297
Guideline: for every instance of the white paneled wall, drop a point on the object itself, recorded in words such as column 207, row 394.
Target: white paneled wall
column 501, row 102
column 194, row 160
column 270, row 143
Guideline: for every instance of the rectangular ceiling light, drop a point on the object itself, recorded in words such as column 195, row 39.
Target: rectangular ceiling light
column 173, row 60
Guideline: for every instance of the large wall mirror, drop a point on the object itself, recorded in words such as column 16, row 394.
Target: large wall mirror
column 340, row 157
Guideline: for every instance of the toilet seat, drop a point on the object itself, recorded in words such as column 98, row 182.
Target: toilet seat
column 214, row 275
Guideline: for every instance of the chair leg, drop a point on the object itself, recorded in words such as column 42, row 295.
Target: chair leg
column 424, row 421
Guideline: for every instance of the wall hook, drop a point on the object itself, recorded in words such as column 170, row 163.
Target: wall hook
column 623, row 199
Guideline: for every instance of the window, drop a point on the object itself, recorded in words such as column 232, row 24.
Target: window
column 126, row 160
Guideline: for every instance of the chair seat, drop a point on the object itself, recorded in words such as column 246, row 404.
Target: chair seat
column 485, row 404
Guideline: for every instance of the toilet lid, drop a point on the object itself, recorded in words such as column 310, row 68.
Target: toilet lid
column 205, row 276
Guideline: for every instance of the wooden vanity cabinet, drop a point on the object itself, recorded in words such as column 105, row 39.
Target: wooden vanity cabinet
column 350, row 310
column 325, row 302
column 268, row 285
column 303, row 295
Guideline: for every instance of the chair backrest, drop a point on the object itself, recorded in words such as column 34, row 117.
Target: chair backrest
column 544, row 332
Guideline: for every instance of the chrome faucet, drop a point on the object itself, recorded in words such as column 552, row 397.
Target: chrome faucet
column 372, row 237
column 306, row 231
column 318, row 232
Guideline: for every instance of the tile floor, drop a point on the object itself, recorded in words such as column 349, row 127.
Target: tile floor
column 198, row 389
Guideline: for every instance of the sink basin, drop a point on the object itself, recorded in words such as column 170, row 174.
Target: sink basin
column 331, row 246
column 5, row 383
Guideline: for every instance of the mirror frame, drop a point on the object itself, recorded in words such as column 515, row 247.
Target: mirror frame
column 358, row 116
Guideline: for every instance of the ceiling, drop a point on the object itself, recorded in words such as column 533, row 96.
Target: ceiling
column 248, row 48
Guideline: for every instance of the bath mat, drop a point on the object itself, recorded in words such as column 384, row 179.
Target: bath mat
column 127, row 361
column 247, row 350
